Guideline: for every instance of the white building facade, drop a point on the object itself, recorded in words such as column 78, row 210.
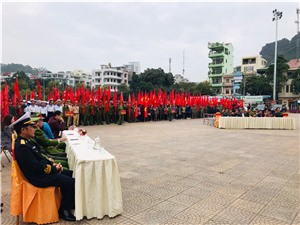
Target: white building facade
column 111, row 77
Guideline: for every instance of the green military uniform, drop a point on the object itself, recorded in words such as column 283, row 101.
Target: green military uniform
column 51, row 146
column 64, row 109
column 86, row 115
column 92, row 120
column 109, row 114
column 121, row 116
column 170, row 113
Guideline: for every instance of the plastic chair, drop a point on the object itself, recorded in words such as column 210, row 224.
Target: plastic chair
column 5, row 151
column 37, row 205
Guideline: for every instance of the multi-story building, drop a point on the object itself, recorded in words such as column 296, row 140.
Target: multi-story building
column 227, row 85
column 251, row 64
column 221, row 55
column 132, row 68
column 237, row 80
column 109, row 76
column 68, row 78
column 286, row 96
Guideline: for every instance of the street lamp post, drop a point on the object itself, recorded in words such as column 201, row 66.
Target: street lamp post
column 276, row 16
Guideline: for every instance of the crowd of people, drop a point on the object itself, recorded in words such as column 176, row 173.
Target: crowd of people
column 75, row 113
column 252, row 113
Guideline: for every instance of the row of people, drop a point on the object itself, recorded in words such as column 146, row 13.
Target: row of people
column 75, row 113
column 252, row 113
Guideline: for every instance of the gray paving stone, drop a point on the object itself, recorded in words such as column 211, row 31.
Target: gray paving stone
column 185, row 172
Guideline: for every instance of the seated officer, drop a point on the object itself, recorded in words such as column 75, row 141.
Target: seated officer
column 40, row 171
column 54, row 147
column 50, row 147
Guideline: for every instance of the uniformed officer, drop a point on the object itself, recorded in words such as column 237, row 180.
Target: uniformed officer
column 42, row 172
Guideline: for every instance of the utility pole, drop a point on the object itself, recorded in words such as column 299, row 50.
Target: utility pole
column 297, row 45
column 183, row 65
column 276, row 16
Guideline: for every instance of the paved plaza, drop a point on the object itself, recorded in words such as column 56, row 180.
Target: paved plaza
column 185, row 172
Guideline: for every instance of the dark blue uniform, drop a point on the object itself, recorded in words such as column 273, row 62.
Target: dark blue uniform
column 40, row 172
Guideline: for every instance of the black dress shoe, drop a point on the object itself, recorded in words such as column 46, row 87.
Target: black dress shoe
column 67, row 215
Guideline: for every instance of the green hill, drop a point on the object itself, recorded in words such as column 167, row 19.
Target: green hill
column 12, row 67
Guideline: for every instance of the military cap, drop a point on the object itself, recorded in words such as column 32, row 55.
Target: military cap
column 23, row 121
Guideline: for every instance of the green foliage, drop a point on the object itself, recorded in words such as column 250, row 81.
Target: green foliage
column 203, row 88
column 296, row 84
column 125, row 90
column 12, row 67
column 281, row 69
column 257, row 85
column 150, row 79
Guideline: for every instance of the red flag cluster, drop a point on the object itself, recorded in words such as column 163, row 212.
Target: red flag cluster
column 83, row 95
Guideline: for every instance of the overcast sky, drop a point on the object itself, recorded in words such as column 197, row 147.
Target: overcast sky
column 77, row 35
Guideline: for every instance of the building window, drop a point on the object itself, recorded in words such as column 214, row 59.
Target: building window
column 227, row 80
column 287, row 88
column 227, row 91
column 248, row 69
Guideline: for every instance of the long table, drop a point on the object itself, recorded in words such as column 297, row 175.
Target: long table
column 97, row 182
column 284, row 123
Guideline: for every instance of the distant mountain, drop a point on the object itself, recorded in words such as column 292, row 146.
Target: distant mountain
column 284, row 47
column 12, row 67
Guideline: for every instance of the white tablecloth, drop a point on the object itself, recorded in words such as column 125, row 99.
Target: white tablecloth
column 284, row 123
column 97, row 182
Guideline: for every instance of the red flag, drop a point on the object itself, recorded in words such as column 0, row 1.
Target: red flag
column 121, row 98
column 82, row 94
column 139, row 101
column 32, row 96
column 108, row 94
column 66, row 94
column 40, row 97
column 98, row 95
column 115, row 101
column 92, row 98
column 71, row 94
column 4, row 101
column 16, row 91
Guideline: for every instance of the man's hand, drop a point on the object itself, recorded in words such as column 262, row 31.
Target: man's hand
column 62, row 139
column 59, row 167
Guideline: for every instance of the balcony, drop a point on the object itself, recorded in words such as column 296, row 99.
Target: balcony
column 111, row 83
column 214, row 65
column 227, row 84
column 214, row 54
column 216, row 85
column 215, row 75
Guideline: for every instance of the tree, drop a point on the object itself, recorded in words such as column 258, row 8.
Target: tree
column 296, row 82
column 257, row 85
column 203, row 88
column 125, row 90
column 281, row 68
column 150, row 79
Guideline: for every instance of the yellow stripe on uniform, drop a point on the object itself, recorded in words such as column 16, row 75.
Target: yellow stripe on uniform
column 23, row 142
column 47, row 170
